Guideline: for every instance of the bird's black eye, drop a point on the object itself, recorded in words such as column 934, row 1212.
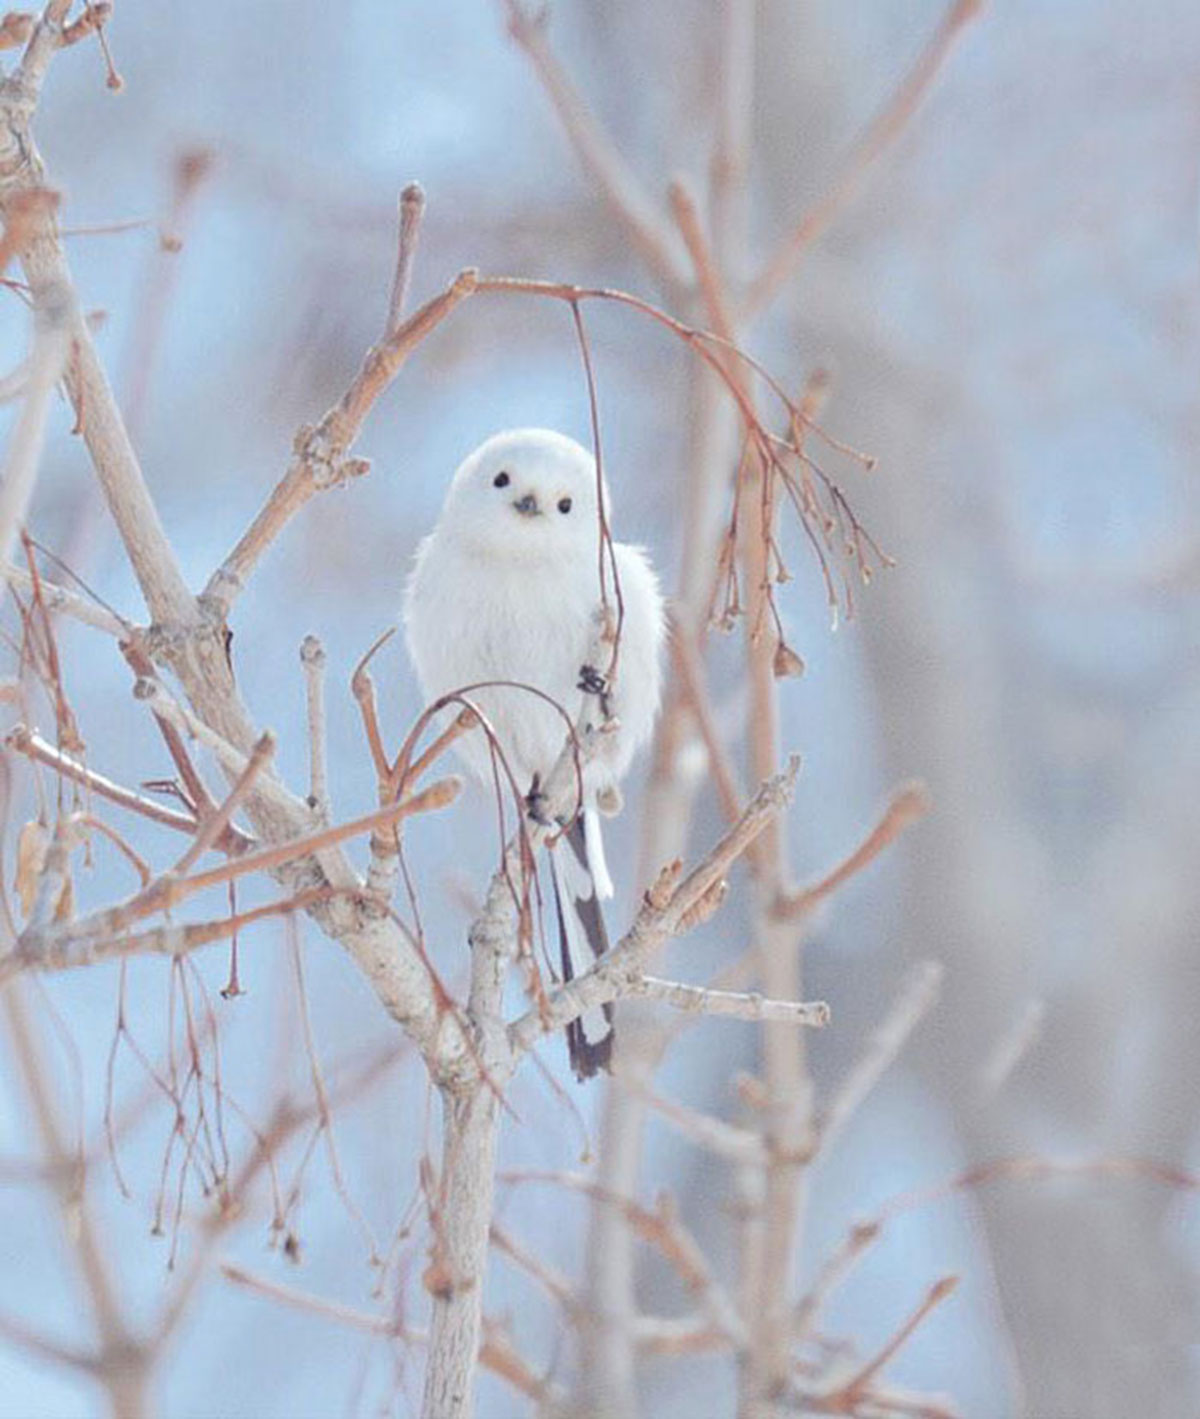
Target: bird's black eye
column 501, row 480
column 564, row 504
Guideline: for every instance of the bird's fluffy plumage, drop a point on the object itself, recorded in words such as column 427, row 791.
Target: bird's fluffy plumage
column 506, row 587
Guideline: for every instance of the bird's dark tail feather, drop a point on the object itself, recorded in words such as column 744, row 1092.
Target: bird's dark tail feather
column 582, row 939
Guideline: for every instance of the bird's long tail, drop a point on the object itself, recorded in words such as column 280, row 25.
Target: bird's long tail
column 582, row 937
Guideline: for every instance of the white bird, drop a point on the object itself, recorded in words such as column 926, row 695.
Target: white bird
column 507, row 587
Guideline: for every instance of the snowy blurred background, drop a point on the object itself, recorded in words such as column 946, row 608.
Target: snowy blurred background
column 1010, row 312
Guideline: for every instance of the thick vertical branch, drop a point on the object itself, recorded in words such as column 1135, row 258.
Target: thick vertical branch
column 710, row 457
column 455, row 1277
column 470, row 1125
column 51, row 314
column 117, row 467
column 189, row 635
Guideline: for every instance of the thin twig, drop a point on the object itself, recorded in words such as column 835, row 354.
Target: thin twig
column 46, row 1348
column 847, row 1394
column 662, row 1228
column 312, row 657
column 908, row 805
column 52, row 307
column 372, row 1323
column 887, row 124
column 916, row 998
column 213, row 827
column 58, row 598
column 29, row 742
column 737, row 1005
column 664, row 913
column 170, row 889
column 412, row 212
column 96, row 14
column 321, row 460
column 726, row 1140
column 596, row 153
column 834, row 1270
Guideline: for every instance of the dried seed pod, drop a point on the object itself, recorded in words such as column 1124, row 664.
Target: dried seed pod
column 659, row 895
column 787, row 663
column 33, row 843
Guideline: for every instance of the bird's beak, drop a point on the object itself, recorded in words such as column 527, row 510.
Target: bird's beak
column 526, row 506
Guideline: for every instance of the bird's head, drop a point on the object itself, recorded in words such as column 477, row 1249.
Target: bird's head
column 525, row 493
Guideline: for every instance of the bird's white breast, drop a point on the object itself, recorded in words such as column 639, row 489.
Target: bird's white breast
column 472, row 617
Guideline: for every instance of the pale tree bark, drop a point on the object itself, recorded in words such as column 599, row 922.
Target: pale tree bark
column 772, row 1192
column 471, row 1049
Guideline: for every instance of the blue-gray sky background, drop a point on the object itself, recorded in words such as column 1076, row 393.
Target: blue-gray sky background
column 1010, row 312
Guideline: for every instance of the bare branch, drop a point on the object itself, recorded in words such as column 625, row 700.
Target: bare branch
column 844, row 1397
column 662, row 1228
column 73, row 953
column 686, row 212
column 101, row 934
column 98, row 1277
column 729, row 166
column 726, row 1140
column 698, row 1000
column 96, row 14
column 213, row 826
column 58, row 598
column 46, row 268
column 1013, row 1045
column 557, row 1287
column 662, row 916
column 908, row 805
column 677, row 1335
column 320, row 453
column 15, row 28
column 495, row 1351
column 24, row 212
column 596, row 154
column 51, row 334
column 834, row 1270
column 46, row 38
column 412, row 212
column 887, row 124
column 232, row 760
column 39, row 1346
column 372, row 1323
column 29, row 742
column 916, row 998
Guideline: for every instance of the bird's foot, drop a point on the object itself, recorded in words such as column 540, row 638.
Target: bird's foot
column 592, row 682
column 537, row 804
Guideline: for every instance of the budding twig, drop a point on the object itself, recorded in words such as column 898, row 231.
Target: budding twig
column 321, row 460
column 412, row 213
